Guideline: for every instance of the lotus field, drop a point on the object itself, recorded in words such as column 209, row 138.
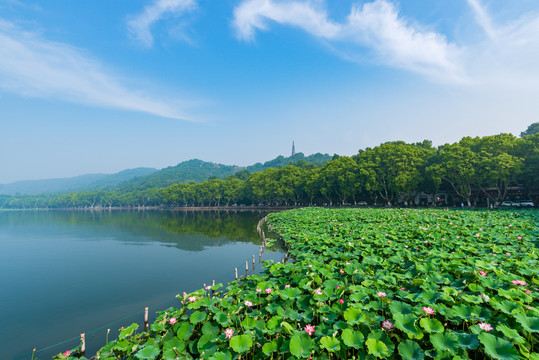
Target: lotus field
column 366, row 284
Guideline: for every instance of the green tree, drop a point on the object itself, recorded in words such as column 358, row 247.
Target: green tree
column 532, row 129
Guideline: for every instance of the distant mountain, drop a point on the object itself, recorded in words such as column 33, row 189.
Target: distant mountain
column 78, row 183
column 144, row 178
column 198, row 171
column 188, row 171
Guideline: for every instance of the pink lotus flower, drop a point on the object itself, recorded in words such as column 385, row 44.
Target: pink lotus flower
column 248, row 303
column 341, row 271
column 192, row 299
column 67, row 353
column 403, row 289
column 482, row 273
column 318, row 292
column 381, row 294
column 287, row 286
column 519, row 237
column 387, row 325
column 341, row 301
column 347, row 263
column 485, row 326
column 258, row 290
column 519, row 282
column 228, row 333
column 309, row 329
column 389, row 241
column 173, row 321
column 268, row 291
column 428, row 310
column 527, row 291
column 406, row 246
column 508, row 253
column 310, row 266
column 208, row 287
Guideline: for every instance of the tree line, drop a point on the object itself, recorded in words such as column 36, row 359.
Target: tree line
column 472, row 170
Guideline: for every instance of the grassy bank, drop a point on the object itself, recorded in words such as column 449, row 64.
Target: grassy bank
column 367, row 283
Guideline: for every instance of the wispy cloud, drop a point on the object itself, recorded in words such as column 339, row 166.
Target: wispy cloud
column 140, row 25
column 510, row 53
column 33, row 66
column 375, row 25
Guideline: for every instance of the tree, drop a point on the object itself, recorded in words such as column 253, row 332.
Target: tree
column 455, row 164
column 532, row 129
column 497, row 163
column 392, row 168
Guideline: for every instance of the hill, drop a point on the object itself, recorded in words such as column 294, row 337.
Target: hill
column 78, row 183
column 144, row 178
column 198, row 171
column 187, row 171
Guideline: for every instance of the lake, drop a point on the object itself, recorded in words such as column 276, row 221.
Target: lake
column 67, row 272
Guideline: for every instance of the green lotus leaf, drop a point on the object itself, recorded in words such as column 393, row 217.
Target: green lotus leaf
column 197, row 317
column 301, row 345
column 511, row 334
column 505, row 306
column 406, row 323
column 354, row 316
column 126, row 332
column 185, row 331
column 241, row 343
column 468, row 341
column 410, row 350
column 330, row 343
column 398, row 307
column 530, row 324
column 174, row 343
column 431, row 325
column 170, row 354
column 498, row 348
column 210, row 329
column 352, row 338
column 123, row 345
column 462, row 311
column 269, row 348
column 377, row 348
column 221, row 356
column 148, row 353
column 445, row 342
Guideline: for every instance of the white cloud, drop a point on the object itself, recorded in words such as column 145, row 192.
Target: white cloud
column 510, row 54
column 375, row 25
column 140, row 25
column 33, row 66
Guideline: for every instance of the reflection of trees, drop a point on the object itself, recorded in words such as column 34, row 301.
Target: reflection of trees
column 186, row 230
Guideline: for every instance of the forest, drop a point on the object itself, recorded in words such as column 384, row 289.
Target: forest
column 473, row 171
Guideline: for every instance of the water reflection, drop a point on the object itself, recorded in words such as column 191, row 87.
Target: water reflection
column 66, row 272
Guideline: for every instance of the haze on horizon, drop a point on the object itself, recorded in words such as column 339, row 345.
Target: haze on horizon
column 99, row 87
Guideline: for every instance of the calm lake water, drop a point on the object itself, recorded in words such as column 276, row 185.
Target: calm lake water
column 62, row 273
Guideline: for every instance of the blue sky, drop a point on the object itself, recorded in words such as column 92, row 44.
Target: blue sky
column 100, row 86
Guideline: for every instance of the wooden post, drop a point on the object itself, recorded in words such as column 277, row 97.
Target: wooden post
column 146, row 318
column 246, row 268
column 253, row 262
column 83, row 343
column 236, row 273
column 213, row 283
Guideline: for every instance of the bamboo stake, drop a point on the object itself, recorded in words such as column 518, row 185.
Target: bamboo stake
column 146, row 318
column 83, row 343
column 236, row 273
column 246, row 268
column 253, row 262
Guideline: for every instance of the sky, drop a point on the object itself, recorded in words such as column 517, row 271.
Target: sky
column 101, row 86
